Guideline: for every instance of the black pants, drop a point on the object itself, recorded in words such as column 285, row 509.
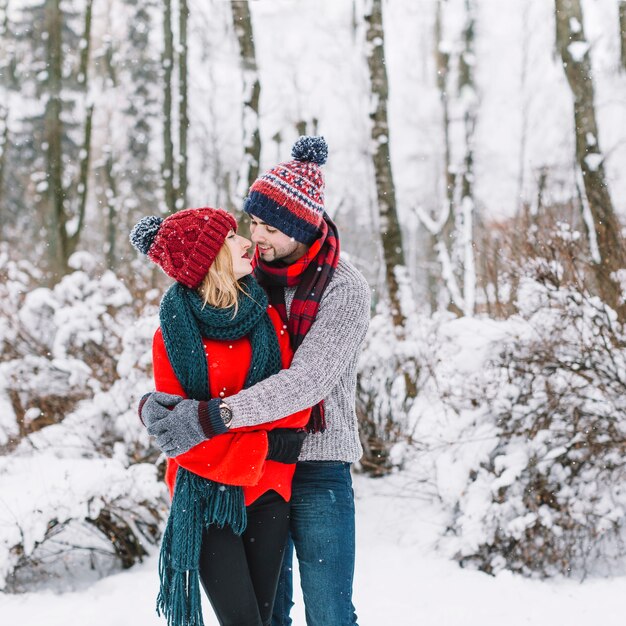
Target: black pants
column 240, row 574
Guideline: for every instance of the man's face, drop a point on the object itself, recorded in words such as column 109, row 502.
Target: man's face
column 274, row 245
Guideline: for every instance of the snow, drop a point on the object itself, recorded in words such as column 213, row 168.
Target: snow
column 593, row 161
column 407, row 558
column 406, row 571
column 578, row 50
column 588, row 218
column 574, row 25
column 400, row 579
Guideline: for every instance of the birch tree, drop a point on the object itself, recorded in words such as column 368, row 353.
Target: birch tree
column 603, row 227
column 453, row 228
column 85, row 152
column 622, row 32
column 390, row 232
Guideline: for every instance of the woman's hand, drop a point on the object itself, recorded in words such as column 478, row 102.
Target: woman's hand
column 179, row 424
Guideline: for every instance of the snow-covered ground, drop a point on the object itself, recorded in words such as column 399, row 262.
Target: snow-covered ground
column 401, row 580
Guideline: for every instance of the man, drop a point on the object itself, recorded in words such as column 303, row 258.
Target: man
column 325, row 305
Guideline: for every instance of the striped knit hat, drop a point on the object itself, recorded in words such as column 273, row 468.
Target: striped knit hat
column 290, row 196
column 184, row 244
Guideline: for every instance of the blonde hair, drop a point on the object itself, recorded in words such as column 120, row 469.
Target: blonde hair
column 220, row 288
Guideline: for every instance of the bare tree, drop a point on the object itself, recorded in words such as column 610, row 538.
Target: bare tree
column 167, row 64
column 62, row 242
column 390, row 232
column 453, row 228
column 622, row 32
column 53, row 136
column 602, row 223
column 183, row 115
column 175, row 159
column 4, row 140
column 4, row 111
column 249, row 171
column 85, row 153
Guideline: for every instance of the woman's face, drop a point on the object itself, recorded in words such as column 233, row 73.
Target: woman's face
column 238, row 247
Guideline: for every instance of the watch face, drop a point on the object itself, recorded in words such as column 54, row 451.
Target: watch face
column 226, row 414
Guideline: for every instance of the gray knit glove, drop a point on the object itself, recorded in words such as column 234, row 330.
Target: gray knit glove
column 179, row 424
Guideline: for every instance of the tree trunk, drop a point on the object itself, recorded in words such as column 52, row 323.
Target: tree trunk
column 183, row 116
column 391, row 234
column 622, row 32
column 242, row 23
column 574, row 50
column 453, row 229
column 467, row 91
column 53, row 136
column 111, row 214
column 85, row 155
column 4, row 115
column 446, row 236
column 85, row 49
column 168, row 147
column 4, row 145
column 442, row 57
column 83, row 184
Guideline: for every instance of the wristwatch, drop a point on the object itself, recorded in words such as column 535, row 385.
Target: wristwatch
column 226, row 414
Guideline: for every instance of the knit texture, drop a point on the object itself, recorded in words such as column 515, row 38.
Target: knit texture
column 184, row 244
column 238, row 457
column 290, row 196
column 204, row 504
column 185, row 320
column 199, row 502
column 323, row 367
column 310, row 274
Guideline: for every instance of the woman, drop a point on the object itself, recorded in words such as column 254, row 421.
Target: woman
column 229, row 519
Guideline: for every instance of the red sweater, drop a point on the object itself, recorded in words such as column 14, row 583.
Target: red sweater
column 236, row 457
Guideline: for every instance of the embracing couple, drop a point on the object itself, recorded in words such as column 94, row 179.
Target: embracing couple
column 255, row 372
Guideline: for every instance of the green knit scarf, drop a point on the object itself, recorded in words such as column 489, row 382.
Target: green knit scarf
column 198, row 502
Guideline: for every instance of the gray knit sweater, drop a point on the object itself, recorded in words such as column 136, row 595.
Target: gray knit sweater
column 323, row 367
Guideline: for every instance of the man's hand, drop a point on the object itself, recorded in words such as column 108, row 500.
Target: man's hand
column 284, row 444
column 179, row 424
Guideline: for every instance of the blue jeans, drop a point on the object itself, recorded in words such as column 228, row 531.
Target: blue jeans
column 322, row 531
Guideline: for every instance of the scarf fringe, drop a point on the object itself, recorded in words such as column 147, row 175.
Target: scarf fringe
column 197, row 504
column 317, row 421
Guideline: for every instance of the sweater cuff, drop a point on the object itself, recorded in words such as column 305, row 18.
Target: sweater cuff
column 209, row 417
column 141, row 403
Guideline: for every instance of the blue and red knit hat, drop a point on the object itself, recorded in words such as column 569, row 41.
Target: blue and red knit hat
column 290, row 196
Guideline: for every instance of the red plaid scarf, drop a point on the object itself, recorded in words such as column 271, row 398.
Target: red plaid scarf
column 310, row 274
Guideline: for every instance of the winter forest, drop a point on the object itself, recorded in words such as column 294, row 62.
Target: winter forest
column 476, row 151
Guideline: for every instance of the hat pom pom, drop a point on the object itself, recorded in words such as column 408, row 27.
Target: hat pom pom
column 144, row 232
column 309, row 148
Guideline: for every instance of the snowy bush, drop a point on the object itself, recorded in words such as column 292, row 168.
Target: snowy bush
column 389, row 377
column 548, row 496
column 79, row 484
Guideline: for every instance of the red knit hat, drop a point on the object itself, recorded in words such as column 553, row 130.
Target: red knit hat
column 184, row 244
